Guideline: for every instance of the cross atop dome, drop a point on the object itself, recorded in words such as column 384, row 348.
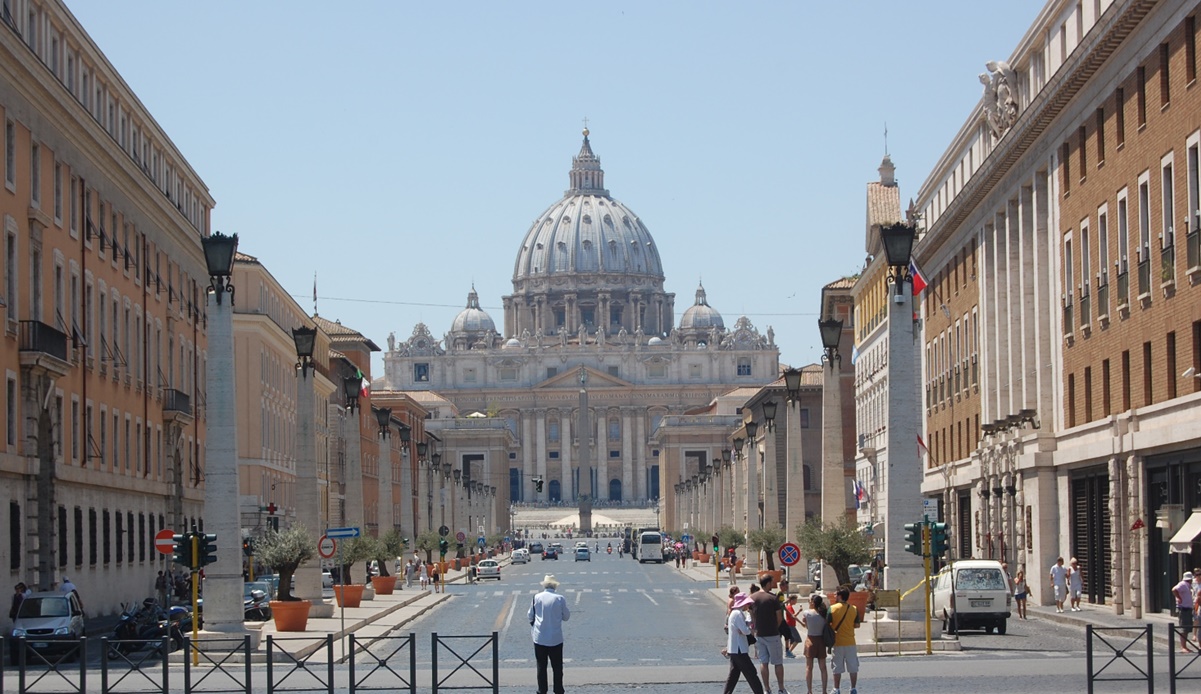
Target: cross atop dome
column 587, row 177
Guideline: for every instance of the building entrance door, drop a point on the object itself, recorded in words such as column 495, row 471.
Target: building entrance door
column 1091, row 532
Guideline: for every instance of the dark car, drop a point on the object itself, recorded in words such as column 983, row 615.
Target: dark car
column 535, row 548
column 550, row 553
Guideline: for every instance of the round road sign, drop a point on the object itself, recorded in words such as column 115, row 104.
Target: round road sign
column 326, row 547
column 460, row 536
column 790, row 554
column 444, row 531
column 163, row 541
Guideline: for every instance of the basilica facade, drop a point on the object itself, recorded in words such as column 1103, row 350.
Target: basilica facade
column 574, row 387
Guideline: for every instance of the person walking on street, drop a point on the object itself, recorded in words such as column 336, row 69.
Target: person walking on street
column 845, row 619
column 1075, row 585
column 793, row 638
column 160, row 587
column 1059, row 583
column 1020, row 592
column 423, row 576
column 814, row 620
column 19, row 593
column 548, row 610
column 767, row 616
column 731, row 566
column 737, row 647
column 1197, row 606
column 1183, row 592
column 68, row 587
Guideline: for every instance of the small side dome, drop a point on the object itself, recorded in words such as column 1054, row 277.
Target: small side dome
column 701, row 316
column 473, row 319
column 656, row 340
column 511, row 343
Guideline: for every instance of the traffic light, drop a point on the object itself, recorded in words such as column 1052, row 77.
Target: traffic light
column 913, row 538
column 207, row 550
column 940, row 539
column 247, row 548
column 538, row 484
column 443, row 545
column 181, row 552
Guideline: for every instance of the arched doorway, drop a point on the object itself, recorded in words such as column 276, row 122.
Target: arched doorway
column 615, row 490
column 556, row 491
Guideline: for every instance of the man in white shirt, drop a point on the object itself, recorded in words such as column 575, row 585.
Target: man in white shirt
column 548, row 610
column 1059, row 583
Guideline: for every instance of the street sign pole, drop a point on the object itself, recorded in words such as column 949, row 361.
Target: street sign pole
column 926, row 563
column 195, row 601
column 342, row 601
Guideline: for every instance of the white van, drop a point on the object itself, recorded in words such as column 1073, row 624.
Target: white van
column 972, row 594
column 650, row 548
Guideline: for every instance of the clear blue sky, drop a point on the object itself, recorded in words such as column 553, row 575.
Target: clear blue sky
column 401, row 150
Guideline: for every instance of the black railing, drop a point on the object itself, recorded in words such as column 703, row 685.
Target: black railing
column 464, row 663
column 308, row 675
column 1144, row 276
column 176, row 401
column 1103, row 300
column 391, row 666
column 1067, row 318
column 1167, row 261
column 1118, row 667
column 1085, row 308
column 1179, row 664
column 224, row 665
column 1193, row 245
column 36, row 336
column 1123, row 288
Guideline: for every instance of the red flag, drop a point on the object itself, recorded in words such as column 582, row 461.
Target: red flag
column 919, row 281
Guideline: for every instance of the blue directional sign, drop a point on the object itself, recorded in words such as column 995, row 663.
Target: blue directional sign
column 481, row 542
column 340, row 533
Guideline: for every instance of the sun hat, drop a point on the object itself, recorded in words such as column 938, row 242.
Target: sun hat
column 1188, row 576
column 742, row 600
column 549, row 581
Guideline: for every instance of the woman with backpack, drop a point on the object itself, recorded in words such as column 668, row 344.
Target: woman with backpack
column 815, row 620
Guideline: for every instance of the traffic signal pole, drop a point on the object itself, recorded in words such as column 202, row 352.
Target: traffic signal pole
column 195, row 600
column 926, row 563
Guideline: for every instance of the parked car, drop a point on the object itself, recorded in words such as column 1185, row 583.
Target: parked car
column 488, row 568
column 583, row 554
column 535, row 548
column 52, row 624
column 521, row 556
column 972, row 594
column 550, row 553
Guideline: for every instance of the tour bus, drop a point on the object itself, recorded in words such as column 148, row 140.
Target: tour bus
column 650, row 547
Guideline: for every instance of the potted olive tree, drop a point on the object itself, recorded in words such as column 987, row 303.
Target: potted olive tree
column 767, row 541
column 388, row 548
column 354, row 550
column 285, row 551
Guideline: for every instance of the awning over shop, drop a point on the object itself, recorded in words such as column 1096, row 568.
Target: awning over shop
column 1182, row 541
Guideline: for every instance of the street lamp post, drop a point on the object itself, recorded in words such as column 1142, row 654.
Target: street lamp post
column 308, row 506
column 834, row 481
column 794, row 469
column 422, row 448
column 904, row 464
column 223, row 578
column 352, row 512
column 386, row 518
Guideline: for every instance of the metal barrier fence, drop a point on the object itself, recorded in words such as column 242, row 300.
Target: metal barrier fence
column 116, row 654
column 299, row 666
column 217, row 655
column 69, row 651
column 374, row 677
column 1177, row 673
column 444, row 642
column 1115, row 651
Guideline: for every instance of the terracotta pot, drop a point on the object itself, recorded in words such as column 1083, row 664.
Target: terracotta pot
column 383, row 585
column 858, row 599
column 776, row 574
column 353, row 595
column 291, row 615
column 738, row 566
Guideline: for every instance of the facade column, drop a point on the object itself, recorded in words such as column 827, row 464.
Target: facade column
column 905, row 465
column 387, row 517
column 640, row 464
column 570, row 488
column 771, row 499
column 352, row 429
column 527, row 458
column 1026, row 263
column 540, row 458
column 407, row 527
column 752, row 492
column 794, row 513
column 602, row 452
column 1046, row 303
column 627, row 453
column 308, row 510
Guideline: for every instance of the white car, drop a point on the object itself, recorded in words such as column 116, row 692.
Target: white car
column 972, row 594
column 488, row 568
column 521, row 556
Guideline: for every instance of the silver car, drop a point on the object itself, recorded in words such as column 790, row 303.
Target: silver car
column 52, row 623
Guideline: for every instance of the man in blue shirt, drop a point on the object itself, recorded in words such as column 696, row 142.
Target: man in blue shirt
column 548, row 610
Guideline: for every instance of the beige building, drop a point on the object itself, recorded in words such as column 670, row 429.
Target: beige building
column 1068, row 426
column 104, row 293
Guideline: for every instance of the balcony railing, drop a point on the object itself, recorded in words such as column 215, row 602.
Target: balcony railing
column 1144, row 276
column 1167, row 263
column 1085, row 307
column 1103, row 300
column 36, row 336
column 1193, row 244
column 177, row 401
column 1123, row 288
column 1067, row 319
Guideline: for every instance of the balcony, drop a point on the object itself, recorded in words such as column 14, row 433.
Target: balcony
column 44, row 347
column 1067, row 318
column 1123, row 289
column 1167, row 266
column 1193, row 245
column 1103, row 302
column 177, row 406
column 1085, row 308
column 1144, row 279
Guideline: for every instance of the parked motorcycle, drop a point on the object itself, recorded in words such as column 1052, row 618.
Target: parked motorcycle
column 257, row 607
column 145, row 626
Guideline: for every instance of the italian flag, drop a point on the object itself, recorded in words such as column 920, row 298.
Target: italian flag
column 364, row 384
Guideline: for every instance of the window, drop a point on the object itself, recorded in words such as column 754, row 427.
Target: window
column 1194, row 186
column 1082, row 144
column 614, row 429
column 694, row 372
column 1170, row 371
column 58, row 192
column 77, row 536
column 74, row 431
column 1165, row 79
column 1169, row 202
column 1144, row 218
column 552, row 430
column 11, row 411
column 1106, row 403
column 656, row 370
column 804, row 417
column 107, row 542
column 120, row 537
column 507, row 373
column 614, row 371
column 1065, row 161
column 74, row 206
column 1141, row 77
column 93, row 545
column 1125, row 380
column 421, row 373
column 1119, row 116
column 469, row 375
column 1148, row 394
column 10, row 154
column 1103, row 248
column 1088, row 394
column 1100, row 136
column 1123, row 235
column 551, row 371
column 35, row 175
column 744, row 366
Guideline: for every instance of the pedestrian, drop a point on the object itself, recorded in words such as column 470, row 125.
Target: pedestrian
column 160, row 587
column 1075, row 585
column 548, row 610
column 767, row 616
column 435, row 574
column 738, row 648
column 793, row 637
column 68, row 587
column 409, row 574
column 423, row 576
column 1059, row 583
column 845, row 619
column 814, row 620
column 1020, row 591
column 1197, row 605
column 785, row 630
column 19, row 593
column 1183, row 592
column 732, row 568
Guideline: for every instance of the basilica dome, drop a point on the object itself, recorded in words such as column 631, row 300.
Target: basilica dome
column 473, row 319
column 588, row 233
column 700, row 315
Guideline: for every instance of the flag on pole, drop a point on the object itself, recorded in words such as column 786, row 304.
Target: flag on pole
column 919, row 280
column 921, row 447
column 857, row 489
column 314, row 293
column 364, row 384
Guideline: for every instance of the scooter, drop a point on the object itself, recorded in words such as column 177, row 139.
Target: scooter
column 257, row 607
column 146, row 625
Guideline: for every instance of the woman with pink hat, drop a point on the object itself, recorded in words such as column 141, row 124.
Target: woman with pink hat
column 738, row 648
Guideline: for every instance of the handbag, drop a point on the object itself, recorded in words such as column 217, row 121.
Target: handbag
column 830, row 634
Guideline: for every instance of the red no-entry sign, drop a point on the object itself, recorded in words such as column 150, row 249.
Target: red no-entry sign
column 163, row 541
